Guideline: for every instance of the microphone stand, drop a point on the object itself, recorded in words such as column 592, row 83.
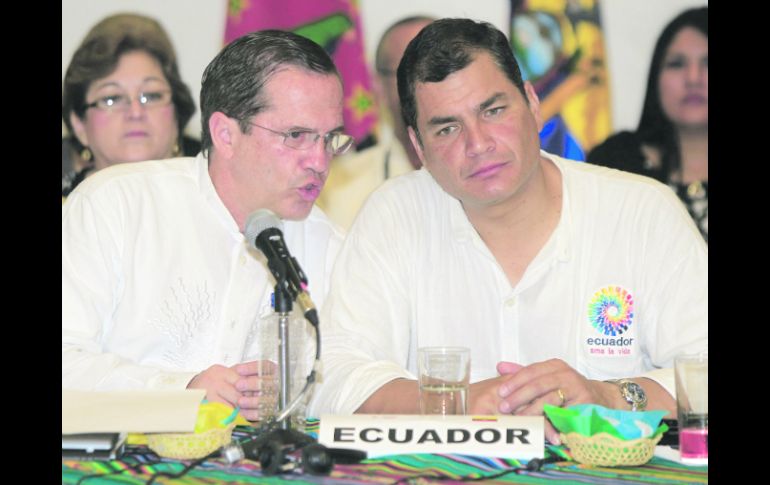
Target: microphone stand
column 283, row 307
column 284, row 437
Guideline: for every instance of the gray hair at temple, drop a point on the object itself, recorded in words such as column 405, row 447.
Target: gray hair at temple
column 447, row 46
column 233, row 82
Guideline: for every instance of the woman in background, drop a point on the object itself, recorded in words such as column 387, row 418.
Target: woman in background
column 123, row 99
column 671, row 141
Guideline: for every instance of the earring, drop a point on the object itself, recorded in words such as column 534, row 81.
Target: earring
column 85, row 154
column 176, row 151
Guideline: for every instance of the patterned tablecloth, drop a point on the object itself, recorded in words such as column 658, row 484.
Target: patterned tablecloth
column 139, row 464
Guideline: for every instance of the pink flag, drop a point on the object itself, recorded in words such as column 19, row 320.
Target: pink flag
column 333, row 24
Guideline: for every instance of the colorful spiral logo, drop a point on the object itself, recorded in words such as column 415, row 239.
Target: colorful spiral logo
column 611, row 310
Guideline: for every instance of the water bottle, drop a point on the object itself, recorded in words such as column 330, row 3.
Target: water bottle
column 266, row 355
column 267, row 348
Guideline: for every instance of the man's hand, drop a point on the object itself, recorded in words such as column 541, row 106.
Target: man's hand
column 553, row 382
column 240, row 385
column 484, row 396
column 258, row 382
column 219, row 383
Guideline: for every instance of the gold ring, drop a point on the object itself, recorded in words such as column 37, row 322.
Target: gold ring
column 561, row 396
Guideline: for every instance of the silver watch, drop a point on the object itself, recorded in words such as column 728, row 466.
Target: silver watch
column 632, row 393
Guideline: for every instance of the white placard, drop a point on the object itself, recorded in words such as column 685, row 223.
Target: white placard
column 519, row 437
column 130, row 411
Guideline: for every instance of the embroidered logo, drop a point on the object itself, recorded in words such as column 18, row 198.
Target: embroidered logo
column 185, row 318
column 611, row 310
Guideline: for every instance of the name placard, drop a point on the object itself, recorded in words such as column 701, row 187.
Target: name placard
column 519, row 437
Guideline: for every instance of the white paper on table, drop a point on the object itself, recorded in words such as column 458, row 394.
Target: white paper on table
column 130, row 411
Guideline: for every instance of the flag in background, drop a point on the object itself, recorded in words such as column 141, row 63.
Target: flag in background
column 560, row 48
column 333, row 24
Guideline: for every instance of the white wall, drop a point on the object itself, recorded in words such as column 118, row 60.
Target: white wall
column 197, row 27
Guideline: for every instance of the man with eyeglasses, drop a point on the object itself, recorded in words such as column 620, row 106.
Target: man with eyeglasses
column 159, row 288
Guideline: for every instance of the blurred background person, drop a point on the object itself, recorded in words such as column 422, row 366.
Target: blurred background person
column 671, row 142
column 123, row 99
column 353, row 177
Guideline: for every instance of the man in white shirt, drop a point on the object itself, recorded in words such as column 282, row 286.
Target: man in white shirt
column 160, row 290
column 355, row 175
column 557, row 275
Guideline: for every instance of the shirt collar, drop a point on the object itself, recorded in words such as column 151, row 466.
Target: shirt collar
column 463, row 231
column 210, row 195
column 561, row 233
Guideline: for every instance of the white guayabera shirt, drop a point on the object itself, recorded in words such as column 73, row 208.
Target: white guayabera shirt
column 158, row 283
column 619, row 289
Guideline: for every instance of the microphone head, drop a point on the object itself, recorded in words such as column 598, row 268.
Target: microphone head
column 258, row 221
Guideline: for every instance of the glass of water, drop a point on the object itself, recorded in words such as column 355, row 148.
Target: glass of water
column 444, row 375
column 692, row 402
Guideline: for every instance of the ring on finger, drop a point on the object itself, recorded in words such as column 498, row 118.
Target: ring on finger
column 561, row 397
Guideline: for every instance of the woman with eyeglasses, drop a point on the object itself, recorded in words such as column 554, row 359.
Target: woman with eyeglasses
column 123, row 99
column 671, row 141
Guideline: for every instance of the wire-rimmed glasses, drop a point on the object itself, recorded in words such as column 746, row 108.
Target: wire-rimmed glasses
column 335, row 142
column 122, row 101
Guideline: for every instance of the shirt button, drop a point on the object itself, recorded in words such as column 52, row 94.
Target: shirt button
column 242, row 260
column 510, row 302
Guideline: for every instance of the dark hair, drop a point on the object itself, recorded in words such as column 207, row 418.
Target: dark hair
column 233, row 82
column 98, row 56
column 654, row 126
column 447, row 46
column 379, row 58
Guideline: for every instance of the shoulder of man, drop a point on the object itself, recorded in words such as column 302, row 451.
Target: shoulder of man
column 136, row 172
column 637, row 193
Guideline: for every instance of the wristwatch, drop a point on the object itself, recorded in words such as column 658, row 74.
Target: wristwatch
column 632, row 393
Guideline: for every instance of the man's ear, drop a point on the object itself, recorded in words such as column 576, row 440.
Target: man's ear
column 416, row 144
column 79, row 128
column 225, row 132
column 534, row 104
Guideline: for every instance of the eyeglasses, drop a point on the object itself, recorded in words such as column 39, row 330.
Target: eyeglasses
column 335, row 143
column 121, row 102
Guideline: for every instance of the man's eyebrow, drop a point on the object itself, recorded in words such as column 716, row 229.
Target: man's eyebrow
column 441, row 120
column 492, row 100
column 338, row 129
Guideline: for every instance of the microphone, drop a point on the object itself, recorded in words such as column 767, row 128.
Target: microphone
column 263, row 232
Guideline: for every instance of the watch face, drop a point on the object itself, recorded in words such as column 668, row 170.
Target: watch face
column 634, row 395
column 635, row 392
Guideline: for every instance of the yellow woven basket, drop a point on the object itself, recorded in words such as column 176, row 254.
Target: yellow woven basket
column 606, row 450
column 189, row 446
